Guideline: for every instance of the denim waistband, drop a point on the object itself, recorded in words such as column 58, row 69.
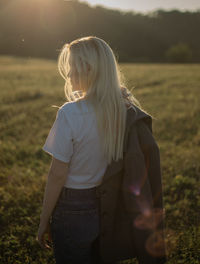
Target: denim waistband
column 93, row 192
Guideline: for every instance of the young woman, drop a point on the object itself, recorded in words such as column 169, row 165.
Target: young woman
column 86, row 138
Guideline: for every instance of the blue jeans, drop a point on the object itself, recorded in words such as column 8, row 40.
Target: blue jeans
column 75, row 227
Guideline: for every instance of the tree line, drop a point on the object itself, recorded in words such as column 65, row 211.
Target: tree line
column 38, row 28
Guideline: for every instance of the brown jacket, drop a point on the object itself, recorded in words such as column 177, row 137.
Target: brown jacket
column 129, row 187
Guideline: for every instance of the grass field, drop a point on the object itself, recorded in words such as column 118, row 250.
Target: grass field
column 28, row 88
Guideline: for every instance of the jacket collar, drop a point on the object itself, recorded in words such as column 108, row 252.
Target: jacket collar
column 134, row 114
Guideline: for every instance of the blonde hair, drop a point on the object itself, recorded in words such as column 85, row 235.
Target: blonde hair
column 100, row 82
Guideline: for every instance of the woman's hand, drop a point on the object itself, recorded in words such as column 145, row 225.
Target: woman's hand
column 44, row 229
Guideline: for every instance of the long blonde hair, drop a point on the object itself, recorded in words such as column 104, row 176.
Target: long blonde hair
column 100, row 82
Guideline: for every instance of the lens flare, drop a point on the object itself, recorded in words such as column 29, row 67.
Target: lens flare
column 135, row 189
column 149, row 220
column 155, row 244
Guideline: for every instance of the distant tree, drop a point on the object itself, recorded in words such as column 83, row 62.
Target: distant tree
column 40, row 28
column 179, row 52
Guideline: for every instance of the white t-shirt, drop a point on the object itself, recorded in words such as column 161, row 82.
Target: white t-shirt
column 74, row 138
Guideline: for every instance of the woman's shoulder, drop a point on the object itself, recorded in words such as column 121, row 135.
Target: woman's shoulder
column 139, row 116
column 75, row 107
column 68, row 107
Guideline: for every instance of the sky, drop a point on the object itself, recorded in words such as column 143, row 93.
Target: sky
column 145, row 6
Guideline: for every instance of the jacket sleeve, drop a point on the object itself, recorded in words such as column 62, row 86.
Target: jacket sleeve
column 142, row 185
column 136, row 187
column 151, row 153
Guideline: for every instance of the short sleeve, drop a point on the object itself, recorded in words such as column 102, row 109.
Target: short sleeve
column 59, row 142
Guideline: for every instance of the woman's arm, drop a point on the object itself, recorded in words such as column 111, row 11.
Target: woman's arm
column 56, row 179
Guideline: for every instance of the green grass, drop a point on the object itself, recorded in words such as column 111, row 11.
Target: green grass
column 28, row 89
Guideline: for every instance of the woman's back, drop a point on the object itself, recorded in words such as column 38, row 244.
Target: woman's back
column 76, row 122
